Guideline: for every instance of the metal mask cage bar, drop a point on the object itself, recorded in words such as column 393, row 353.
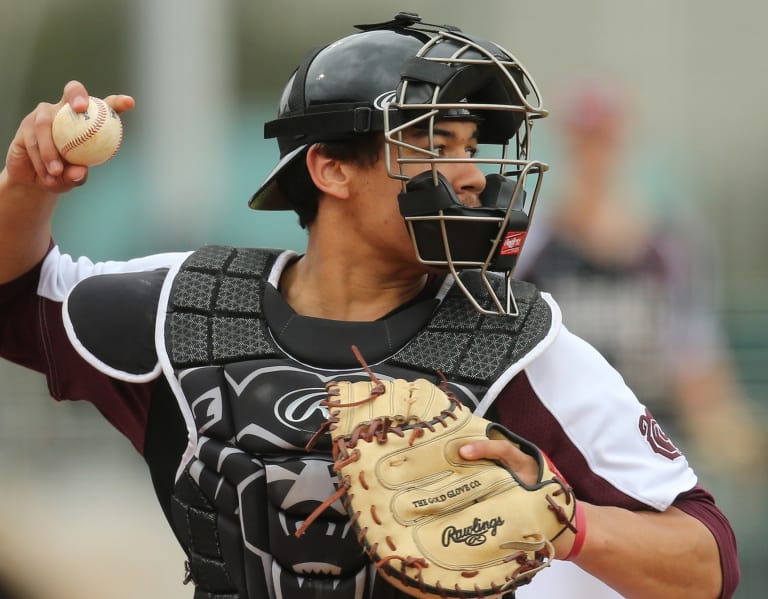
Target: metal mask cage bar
column 502, row 65
column 432, row 110
column 394, row 137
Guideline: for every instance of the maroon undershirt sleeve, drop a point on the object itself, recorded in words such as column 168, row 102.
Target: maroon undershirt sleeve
column 32, row 335
column 700, row 504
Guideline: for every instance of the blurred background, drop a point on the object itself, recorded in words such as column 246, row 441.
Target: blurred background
column 77, row 513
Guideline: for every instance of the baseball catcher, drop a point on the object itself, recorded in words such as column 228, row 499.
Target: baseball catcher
column 434, row 523
column 405, row 152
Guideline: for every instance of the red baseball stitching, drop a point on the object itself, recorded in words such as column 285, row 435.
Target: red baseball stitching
column 101, row 118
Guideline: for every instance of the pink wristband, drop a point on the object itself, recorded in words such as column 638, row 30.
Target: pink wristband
column 580, row 522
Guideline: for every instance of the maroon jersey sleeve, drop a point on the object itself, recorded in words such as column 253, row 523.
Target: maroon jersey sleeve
column 700, row 504
column 32, row 334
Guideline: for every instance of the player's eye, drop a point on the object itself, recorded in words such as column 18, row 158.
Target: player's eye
column 441, row 150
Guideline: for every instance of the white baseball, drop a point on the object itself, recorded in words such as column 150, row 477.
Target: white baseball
column 88, row 138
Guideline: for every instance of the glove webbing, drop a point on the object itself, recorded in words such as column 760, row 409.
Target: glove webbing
column 377, row 429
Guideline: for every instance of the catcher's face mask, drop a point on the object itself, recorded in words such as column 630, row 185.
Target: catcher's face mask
column 456, row 77
column 403, row 73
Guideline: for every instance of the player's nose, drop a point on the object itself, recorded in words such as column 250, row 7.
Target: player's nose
column 468, row 182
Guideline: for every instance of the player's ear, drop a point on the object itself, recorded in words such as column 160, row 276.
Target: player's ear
column 330, row 175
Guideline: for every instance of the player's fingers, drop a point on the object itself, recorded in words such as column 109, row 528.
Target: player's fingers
column 42, row 141
column 58, row 178
column 507, row 453
column 28, row 152
column 75, row 174
column 76, row 95
column 120, row 102
column 50, row 168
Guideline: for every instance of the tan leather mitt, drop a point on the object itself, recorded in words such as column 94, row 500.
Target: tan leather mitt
column 433, row 523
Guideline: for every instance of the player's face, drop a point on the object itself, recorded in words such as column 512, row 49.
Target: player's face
column 376, row 202
column 452, row 139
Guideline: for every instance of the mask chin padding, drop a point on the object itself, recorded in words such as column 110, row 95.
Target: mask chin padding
column 498, row 192
column 437, row 218
column 422, row 197
column 468, row 241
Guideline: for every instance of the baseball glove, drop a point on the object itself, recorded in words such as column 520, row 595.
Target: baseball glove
column 433, row 523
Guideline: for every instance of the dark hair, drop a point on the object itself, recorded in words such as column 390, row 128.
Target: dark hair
column 297, row 186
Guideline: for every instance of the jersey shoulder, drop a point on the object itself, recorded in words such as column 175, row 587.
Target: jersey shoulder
column 110, row 320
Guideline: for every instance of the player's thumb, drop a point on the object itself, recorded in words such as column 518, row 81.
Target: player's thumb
column 469, row 452
column 504, row 452
column 484, row 449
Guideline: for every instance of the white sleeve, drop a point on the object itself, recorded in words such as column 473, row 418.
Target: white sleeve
column 60, row 273
column 618, row 437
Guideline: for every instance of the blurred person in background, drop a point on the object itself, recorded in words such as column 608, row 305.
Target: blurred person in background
column 640, row 282
column 10, row 592
column 12, row 587
column 214, row 362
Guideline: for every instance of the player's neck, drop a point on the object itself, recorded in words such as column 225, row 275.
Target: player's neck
column 341, row 290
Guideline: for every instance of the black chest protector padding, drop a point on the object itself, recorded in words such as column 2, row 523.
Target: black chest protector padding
column 468, row 346
column 113, row 316
column 215, row 310
column 216, row 317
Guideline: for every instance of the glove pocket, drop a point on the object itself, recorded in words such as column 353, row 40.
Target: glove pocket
column 483, row 535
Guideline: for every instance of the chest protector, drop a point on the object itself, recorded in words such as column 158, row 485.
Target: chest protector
column 246, row 482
